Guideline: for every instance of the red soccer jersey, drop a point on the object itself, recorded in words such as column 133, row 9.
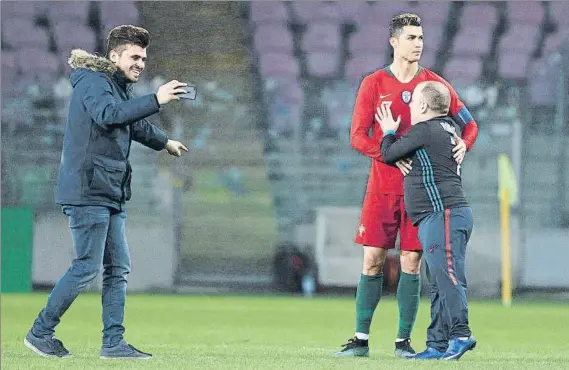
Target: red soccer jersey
column 382, row 87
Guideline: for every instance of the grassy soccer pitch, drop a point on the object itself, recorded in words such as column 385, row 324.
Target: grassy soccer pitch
column 253, row 332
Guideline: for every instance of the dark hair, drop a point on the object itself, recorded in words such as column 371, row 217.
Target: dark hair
column 401, row 20
column 127, row 35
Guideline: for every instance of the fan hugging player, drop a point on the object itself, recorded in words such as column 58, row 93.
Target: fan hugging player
column 435, row 201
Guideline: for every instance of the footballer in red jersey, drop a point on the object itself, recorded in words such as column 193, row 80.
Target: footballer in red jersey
column 383, row 211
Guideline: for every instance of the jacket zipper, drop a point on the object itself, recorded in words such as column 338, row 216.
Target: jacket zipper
column 128, row 168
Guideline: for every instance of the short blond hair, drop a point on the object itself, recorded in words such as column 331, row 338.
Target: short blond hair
column 437, row 96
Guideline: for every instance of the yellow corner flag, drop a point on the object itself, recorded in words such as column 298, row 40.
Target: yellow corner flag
column 508, row 196
column 507, row 180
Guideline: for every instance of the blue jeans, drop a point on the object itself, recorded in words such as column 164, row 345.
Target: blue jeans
column 443, row 236
column 99, row 239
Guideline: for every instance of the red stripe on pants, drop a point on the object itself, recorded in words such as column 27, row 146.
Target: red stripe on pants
column 447, row 247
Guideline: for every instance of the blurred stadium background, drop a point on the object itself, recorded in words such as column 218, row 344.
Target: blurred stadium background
column 271, row 188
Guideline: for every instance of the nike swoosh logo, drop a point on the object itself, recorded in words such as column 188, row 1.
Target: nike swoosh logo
column 383, row 96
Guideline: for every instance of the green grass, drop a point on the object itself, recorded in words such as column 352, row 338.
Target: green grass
column 224, row 221
column 216, row 332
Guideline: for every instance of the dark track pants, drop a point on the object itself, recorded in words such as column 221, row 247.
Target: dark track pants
column 443, row 236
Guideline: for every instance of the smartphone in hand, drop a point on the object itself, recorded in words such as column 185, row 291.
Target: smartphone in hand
column 191, row 92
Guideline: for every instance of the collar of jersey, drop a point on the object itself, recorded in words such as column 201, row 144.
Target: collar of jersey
column 388, row 70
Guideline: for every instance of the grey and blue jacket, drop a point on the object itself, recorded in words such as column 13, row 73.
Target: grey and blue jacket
column 434, row 182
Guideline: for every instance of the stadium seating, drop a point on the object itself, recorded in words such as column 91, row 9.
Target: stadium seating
column 37, row 62
column 9, row 75
column 370, row 38
column 434, row 33
column 323, row 63
column 82, row 37
column 114, row 13
column 479, row 15
column 9, row 64
column 70, row 12
column 542, row 82
column 268, row 13
column 278, row 64
column 338, row 44
column 308, row 12
column 284, row 112
column 486, row 42
column 463, row 70
column 521, row 39
column 322, row 41
column 21, row 32
column 428, row 59
column 513, row 66
column 30, row 10
column 273, row 38
column 432, row 12
column 379, row 12
column 38, row 36
column 473, row 41
column 525, row 12
column 560, row 14
column 555, row 41
column 321, row 37
column 363, row 64
column 348, row 10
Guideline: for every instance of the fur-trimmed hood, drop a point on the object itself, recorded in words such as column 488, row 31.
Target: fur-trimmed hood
column 104, row 119
column 82, row 59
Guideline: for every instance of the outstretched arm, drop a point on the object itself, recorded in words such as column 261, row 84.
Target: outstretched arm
column 393, row 149
column 149, row 135
column 107, row 111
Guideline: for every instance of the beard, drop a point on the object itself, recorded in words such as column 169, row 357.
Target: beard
column 129, row 74
column 134, row 74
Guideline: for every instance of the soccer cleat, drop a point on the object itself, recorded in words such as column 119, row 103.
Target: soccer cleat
column 404, row 349
column 46, row 346
column 458, row 347
column 354, row 348
column 123, row 351
column 428, row 354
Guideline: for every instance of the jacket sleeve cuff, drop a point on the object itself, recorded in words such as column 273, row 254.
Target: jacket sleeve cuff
column 164, row 140
column 389, row 132
column 155, row 98
column 147, row 105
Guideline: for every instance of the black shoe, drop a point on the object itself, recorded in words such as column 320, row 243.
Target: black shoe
column 354, row 348
column 123, row 350
column 404, row 349
column 46, row 346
